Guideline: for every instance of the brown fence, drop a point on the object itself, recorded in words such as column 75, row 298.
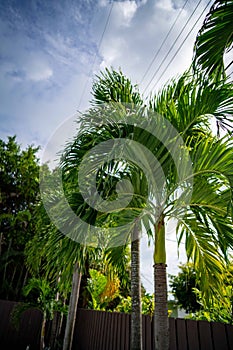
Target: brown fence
column 28, row 332
column 98, row 330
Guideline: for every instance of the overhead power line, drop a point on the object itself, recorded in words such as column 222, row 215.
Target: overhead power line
column 147, row 279
column 174, row 43
column 175, row 54
column 98, row 48
column 164, row 40
column 173, row 241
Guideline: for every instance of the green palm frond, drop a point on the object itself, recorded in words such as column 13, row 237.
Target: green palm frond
column 201, row 248
column 213, row 156
column 190, row 104
column 214, row 39
column 114, row 86
column 206, row 224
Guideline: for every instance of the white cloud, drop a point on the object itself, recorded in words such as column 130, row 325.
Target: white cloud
column 127, row 10
column 164, row 5
column 133, row 47
column 38, row 71
column 113, row 53
column 103, row 3
column 31, row 67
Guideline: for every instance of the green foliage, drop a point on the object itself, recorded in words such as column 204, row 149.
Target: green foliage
column 214, row 39
column 205, row 222
column 188, row 294
column 40, row 295
column 182, row 287
column 19, row 188
column 19, row 172
column 102, row 289
column 125, row 305
column 190, row 103
column 219, row 309
column 114, row 86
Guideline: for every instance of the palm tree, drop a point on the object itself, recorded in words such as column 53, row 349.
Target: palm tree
column 59, row 257
column 112, row 86
column 214, row 39
column 188, row 105
column 44, row 302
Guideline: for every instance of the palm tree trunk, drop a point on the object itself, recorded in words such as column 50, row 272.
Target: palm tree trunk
column 1, row 242
column 54, row 326
column 5, row 267
column 56, row 319
column 42, row 334
column 70, row 323
column 161, row 330
column 136, row 316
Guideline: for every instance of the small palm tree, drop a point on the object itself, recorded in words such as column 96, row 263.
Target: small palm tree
column 40, row 289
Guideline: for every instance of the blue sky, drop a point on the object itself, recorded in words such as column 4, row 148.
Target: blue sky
column 50, row 51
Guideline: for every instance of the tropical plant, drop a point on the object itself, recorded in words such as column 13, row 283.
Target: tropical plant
column 220, row 308
column 19, row 188
column 40, row 296
column 188, row 295
column 182, row 288
column 104, row 290
column 114, row 86
column 109, row 87
column 214, row 39
column 147, row 300
column 188, row 105
column 60, row 258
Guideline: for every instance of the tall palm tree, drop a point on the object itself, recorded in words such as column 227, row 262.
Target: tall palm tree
column 214, row 39
column 189, row 105
column 112, row 86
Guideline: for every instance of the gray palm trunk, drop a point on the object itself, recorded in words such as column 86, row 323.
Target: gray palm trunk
column 42, row 334
column 161, row 324
column 73, row 304
column 136, row 315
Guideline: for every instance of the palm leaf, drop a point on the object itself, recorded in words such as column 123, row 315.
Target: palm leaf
column 190, row 104
column 207, row 222
column 214, row 39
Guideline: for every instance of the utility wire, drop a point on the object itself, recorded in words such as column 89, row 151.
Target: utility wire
column 169, row 51
column 171, row 60
column 164, row 40
column 146, row 278
column 172, row 240
column 228, row 66
column 98, row 48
